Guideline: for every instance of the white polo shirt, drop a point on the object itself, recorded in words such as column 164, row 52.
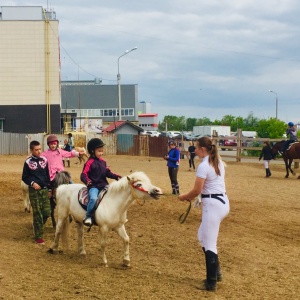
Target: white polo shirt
column 214, row 184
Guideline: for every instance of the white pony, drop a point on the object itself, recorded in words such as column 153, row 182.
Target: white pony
column 111, row 214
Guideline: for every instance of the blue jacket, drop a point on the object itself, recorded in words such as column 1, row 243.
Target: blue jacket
column 174, row 157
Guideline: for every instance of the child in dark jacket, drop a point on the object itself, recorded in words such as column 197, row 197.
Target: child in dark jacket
column 94, row 175
column 36, row 176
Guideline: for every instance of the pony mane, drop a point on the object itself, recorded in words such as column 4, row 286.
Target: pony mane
column 123, row 182
column 62, row 177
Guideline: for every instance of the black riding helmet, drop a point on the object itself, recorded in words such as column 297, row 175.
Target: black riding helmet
column 94, row 144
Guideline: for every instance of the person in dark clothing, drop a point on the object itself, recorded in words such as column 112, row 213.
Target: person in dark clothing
column 36, row 176
column 66, row 147
column 291, row 134
column 266, row 153
column 191, row 150
column 173, row 159
column 94, row 174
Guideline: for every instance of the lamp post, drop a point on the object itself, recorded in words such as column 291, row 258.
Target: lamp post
column 119, row 78
column 276, row 103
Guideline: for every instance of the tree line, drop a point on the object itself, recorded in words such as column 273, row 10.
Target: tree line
column 265, row 128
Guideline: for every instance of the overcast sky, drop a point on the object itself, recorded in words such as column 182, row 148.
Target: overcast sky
column 195, row 58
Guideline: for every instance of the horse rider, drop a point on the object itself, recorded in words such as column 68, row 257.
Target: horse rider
column 94, row 174
column 291, row 133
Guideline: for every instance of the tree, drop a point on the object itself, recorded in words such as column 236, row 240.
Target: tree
column 271, row 128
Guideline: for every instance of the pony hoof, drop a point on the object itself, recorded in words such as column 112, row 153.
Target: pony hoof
column 50, row 251
column 126, row 263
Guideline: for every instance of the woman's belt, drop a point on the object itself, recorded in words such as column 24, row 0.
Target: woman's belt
column 215, row 196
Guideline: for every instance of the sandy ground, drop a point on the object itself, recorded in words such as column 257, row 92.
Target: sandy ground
column 258, row 243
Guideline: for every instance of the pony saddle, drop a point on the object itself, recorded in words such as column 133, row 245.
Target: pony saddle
column 290, row 145
column 83, row 197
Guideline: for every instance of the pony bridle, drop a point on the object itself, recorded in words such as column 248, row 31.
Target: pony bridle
column 138, row 187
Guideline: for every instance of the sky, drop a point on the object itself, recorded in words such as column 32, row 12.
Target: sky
column 194, row 58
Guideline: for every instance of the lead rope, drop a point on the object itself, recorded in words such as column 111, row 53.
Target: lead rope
column 135, row 197
column 183, row 216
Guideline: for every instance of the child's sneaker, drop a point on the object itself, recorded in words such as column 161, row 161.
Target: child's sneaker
column 40, row 241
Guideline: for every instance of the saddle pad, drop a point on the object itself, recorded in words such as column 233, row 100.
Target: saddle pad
column 83, row 197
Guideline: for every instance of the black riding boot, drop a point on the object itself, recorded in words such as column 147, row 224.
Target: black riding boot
column 211, row 260
column 219, row 273
column 269, row 172
column 68, row 164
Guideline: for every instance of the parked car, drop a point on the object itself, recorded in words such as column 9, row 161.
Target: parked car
column 184, row 136
column 230, row 142
column 172, row 134
column 152, row 133
column 224, row 143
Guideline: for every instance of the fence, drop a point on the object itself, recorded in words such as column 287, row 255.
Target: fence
column 126, row 144
column 115, row 144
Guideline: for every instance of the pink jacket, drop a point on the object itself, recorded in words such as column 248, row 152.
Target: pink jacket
column 55, row 160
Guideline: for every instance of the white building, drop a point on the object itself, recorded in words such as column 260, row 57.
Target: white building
column 30, row 70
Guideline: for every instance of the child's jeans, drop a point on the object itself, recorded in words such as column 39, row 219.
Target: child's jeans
column 93, row 195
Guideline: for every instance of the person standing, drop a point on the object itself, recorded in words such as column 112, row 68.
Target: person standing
column 210, row 183
column 266, row 153
column 36, row 176
column 66, row 148
column 291, row 134
column 173, row 159
column 191, row 150
column 94, row 174
column 70, row 141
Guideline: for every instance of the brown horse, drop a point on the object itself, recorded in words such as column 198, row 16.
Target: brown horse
column 293, row 152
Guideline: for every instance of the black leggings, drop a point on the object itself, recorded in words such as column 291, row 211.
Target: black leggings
column 191, row 160
column 173, row 175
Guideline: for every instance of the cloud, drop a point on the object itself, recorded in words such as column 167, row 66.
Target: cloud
column 194, row 58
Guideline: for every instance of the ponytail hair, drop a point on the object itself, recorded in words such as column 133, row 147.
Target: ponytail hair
column 214, row 157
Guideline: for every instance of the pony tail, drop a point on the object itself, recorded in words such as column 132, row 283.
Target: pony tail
column 214, row 159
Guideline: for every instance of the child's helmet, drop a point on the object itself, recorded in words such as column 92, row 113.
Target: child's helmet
column 290, row 124
column 93, row 144
column 52, row 138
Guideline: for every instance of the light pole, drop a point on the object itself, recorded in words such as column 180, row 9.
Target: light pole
column 276, row 103
column 119, row 78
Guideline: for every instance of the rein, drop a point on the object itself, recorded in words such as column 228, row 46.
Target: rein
column 183, row 216
column 135, row 197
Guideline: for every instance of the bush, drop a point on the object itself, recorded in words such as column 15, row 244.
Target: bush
column 254, row 153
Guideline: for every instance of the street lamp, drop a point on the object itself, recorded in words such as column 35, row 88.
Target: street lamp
column 276, row 103
column 119, row 78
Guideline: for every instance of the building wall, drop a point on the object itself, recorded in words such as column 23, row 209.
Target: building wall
column 89, row 96
column 29, row 79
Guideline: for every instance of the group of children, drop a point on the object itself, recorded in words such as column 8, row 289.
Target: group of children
column 39, row 172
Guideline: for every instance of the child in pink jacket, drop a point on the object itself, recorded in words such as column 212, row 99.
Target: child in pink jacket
column 55, row 157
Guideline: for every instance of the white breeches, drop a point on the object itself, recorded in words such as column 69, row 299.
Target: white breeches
column 266, row 163
column 213, row 212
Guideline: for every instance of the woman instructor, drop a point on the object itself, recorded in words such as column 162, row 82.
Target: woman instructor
column 210, row 183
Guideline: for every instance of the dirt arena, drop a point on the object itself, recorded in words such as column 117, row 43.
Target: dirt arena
column 259, row 242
